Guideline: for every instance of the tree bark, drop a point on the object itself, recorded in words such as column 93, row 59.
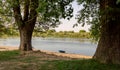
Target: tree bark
column 27, row 23
column 25, row 38
column 108, row 50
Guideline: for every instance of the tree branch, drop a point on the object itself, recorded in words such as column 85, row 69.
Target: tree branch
column 33, row 12
column 26, row 10
column 17, row 12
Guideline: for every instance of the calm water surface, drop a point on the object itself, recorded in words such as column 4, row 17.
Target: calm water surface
column 76, row 46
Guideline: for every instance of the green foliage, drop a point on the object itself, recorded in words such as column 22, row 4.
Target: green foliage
column 49, row 11
column 5, row 11
column 82, row 31
column 71, row 31
column 2, row 30
column 62, row 34
column 6, row 19
column 90, row 14
column 8, row 31
column 118, row 1
column 51, row 31
column 5, row 8
column 55, row 9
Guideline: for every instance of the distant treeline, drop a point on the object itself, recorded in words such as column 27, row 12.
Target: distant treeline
column 8, row 32
column 12, row 32
column 62, row 34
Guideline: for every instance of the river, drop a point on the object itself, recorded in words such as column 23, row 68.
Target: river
column 74, row 46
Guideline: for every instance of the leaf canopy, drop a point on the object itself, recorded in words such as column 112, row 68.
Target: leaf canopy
column 90, row 14
column 50, row 11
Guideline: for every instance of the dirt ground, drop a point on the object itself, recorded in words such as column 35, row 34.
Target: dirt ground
column 32, row 60
column 35, row 60
column 8, row 48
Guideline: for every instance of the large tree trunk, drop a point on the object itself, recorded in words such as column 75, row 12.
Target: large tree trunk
column 27, row 23
column 25, row 39
column 108, row 50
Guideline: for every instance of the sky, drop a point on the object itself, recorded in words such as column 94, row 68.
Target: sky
column 67, row 25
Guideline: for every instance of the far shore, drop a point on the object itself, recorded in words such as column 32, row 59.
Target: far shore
column 76, row 56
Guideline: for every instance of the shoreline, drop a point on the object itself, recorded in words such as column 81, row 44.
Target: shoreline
column 75, row 56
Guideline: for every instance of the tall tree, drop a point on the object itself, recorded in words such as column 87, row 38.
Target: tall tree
column 25, row 13
column 105, row 14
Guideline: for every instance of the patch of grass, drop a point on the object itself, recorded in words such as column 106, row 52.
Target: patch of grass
column 49, row 65
column 28, row 59
column 8, row 55
column 34, row 63
column 79, row 65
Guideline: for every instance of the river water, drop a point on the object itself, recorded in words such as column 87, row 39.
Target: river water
column 75, row 46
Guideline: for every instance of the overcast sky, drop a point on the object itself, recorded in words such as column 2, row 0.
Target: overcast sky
column 67, row 25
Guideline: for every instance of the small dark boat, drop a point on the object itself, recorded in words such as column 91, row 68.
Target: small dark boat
column 61, row 51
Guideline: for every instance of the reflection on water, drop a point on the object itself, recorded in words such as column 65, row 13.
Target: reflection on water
column 77, row 46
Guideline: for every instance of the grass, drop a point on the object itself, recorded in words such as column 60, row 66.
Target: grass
column 8, row 55
column 79, row 65
column 13, row 60
column 85, row 65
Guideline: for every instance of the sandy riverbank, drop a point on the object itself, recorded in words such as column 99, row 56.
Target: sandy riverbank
column 9, row 48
